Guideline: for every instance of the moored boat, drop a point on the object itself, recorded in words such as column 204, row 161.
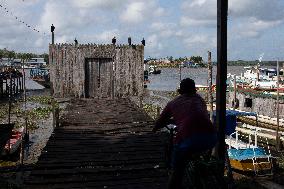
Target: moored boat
column 13, row 144
column 154, row 70
column 247, row 156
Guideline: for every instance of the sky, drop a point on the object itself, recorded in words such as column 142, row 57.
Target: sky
column 175, row 28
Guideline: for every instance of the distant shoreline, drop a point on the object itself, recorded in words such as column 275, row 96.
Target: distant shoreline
column 230, row 63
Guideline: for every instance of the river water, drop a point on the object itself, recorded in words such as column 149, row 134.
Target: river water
column 169, row 78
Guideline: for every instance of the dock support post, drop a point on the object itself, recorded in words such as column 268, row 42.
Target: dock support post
column 158, row 112
column 235, row 92
column 278, row 143
column 210, row 91
column 221, row 86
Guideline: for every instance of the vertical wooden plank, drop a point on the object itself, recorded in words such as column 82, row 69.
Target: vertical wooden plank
column 210, row 91
column 86, row 79
column 222, row 12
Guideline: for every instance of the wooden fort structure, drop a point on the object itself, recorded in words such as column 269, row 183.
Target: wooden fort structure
column 96, row 71
column 103, row 140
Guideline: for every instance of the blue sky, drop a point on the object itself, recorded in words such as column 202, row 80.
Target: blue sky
column 170, row 27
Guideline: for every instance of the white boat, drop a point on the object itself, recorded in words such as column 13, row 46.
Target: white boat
column 256, row 78
column 28, row 67
column 154, row 70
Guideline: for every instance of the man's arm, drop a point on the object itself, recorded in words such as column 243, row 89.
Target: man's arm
column 164, row 118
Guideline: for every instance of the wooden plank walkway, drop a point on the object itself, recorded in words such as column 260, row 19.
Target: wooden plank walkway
column 102, row 144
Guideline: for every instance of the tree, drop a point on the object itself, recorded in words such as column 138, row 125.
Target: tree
column 196, row 59
column 45, row 56
column 11, row 54
column 171, row 58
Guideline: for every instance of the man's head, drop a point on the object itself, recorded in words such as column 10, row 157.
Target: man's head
column 187, row 86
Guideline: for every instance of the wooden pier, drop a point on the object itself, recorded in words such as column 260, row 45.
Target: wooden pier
column 11, row 83
column 102, row 144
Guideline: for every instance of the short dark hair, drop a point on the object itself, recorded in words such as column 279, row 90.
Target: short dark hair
column 187, row 86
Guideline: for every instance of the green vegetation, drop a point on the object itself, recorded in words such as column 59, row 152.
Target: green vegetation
column 4, row 53
column 31, row 115
column 251, row 63
column 151, row 110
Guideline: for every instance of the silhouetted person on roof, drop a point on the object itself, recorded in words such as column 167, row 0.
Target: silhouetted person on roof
column 52, row 28
column 76, row 41
column 143, row 41
column 113, row 41
column 129, row 41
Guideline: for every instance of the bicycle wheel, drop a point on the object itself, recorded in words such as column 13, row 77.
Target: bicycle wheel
column 210, row 174
column 191, row 178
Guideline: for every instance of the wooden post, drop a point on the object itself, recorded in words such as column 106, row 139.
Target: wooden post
column 180, row 72
column 277, row 113
column 158, row 112
column 210, row 91
column 235, row 91
column 25, row 103
column 222, row 14
column 1, row 87
column 52, row 36
column 57, row 116
column 10, row 96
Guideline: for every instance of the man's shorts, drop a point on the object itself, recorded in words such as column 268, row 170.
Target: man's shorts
column 195, row 144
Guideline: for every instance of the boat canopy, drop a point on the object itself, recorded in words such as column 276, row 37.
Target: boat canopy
column 240, row 113
column 231, row 119
column 248, row 153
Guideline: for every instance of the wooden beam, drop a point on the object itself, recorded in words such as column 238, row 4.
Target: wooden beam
column 222, row 13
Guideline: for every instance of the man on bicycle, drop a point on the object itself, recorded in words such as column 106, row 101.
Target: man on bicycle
column 195, row 132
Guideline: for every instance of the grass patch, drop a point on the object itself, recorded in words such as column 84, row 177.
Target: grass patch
column 151, row 110
column 246, row 183
column 33, row 115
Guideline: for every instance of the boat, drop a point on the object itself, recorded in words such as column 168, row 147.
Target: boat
column 14, row 142
column 154, row 70
column 41, row 76
column 246, row 156
column 257, row 78
column 5, row 133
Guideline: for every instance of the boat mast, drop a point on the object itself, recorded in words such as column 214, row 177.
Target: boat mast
column 277, row 113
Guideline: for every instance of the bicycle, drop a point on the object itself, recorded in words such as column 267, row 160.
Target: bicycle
column 202, row 170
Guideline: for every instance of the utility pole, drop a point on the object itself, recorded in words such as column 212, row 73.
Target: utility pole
column 222, row 14
column 277, row 114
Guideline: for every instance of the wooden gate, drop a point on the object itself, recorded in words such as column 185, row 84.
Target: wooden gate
column 99, row 78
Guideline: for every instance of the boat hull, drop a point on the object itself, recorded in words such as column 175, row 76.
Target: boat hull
column 248, row 165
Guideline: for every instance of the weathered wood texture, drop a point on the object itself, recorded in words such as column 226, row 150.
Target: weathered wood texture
column 262, row 106
column 102, row 144
column 68, row 69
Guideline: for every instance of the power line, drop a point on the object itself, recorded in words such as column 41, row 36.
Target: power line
column 22, row 21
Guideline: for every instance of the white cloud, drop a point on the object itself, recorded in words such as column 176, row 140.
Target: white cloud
column 262, row 10
column 139, row 11
column 134, row 12
column 252, row 27
column 106, row 36
column 187, row 21
column 204, row 12
column 164, row 29
column 104, row 4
